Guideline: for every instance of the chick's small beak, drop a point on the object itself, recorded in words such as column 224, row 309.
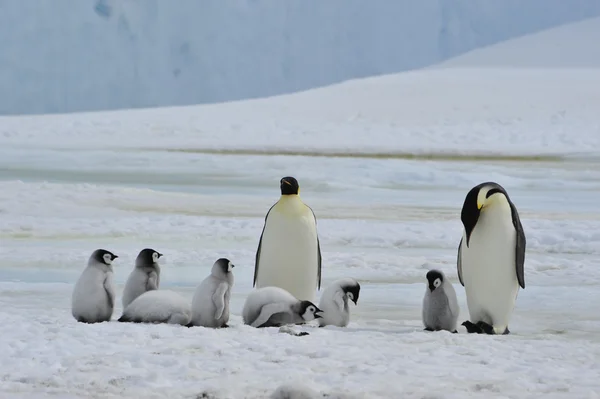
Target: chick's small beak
column 159, row 255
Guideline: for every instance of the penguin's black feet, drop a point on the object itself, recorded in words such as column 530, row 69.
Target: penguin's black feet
column 472, row 328
column 428, row 329
column 486, row 328
column 302, row 334
column 225, row 325
column 506, row 331
column 454, row 332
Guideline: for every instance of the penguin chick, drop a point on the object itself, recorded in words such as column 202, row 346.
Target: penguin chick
column 210, row 305
column 158, row 306
column 334, row 302
column 145, row 276
column 275, row 307
column 440, row 306
column 93, row 299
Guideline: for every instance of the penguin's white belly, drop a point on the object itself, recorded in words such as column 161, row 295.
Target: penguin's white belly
column 489, row 273
column 288, row 254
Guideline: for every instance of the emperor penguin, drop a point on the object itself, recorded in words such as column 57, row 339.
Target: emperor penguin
column 440, row 305
column 334, row 302
column 491, row 257
column 158, row 306
column 210, row 304
column 145, row 276
column 289, row 252
column 93, row 299
column 275, row 307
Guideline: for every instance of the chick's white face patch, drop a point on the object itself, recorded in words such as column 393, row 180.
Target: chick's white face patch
column 107, row 259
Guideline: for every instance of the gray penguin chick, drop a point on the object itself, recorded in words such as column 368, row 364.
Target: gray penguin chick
column 145, row 276
column 440, row 306
column 334, row 302
column 210, row 305
column 93, row 299
column 276, row 307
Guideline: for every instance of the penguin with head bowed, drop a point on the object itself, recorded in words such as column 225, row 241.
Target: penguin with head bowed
column 491, row 258
column 145, row 276
column 275, row 307
column 158, row 306
column 440, row 305
column 93, row 299
column 334, row 302
column 210, row 305
column 289, row 252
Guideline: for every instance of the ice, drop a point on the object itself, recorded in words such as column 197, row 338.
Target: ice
column 384, row 163
column 85, row 55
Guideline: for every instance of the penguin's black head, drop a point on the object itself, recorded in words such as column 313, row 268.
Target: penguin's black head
column 435, row 278
column 289, row 186
column 352, row 290
column 477, row 198
column 147, row 257
column 103, row 256
column 309, row 311
column 224, row 265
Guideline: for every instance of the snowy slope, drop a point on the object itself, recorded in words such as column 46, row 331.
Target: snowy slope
column 570, row 46
column 458, row 111
column 73, row 55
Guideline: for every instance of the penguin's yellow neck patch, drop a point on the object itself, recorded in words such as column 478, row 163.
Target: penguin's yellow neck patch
column 290, row 204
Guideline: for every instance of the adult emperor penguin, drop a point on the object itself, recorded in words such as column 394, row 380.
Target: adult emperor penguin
column 491, row 257
column 93, row 299
column 210, row 304
column 289, row 252
column 145, row 276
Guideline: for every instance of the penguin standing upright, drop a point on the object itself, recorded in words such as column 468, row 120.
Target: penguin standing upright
column 334, row 302
column 145, row 276
column 289, row 253
column 491, row 257
column 210, row 304
column 440, row 305
column 93, row 298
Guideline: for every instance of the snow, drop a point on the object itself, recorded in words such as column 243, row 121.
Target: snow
column 569, row 46
column 507, row 111
column 78, row 55
column 372, row 160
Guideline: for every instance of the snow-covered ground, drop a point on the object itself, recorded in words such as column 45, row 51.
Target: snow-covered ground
column 196, row 182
